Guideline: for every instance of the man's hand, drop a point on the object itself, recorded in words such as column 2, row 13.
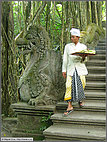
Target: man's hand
column 83, row 57
column 64, row 74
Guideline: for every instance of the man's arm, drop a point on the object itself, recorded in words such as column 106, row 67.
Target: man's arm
column 64, row 65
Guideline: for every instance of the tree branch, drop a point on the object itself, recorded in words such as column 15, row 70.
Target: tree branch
column 40, row 9
column 58, row 12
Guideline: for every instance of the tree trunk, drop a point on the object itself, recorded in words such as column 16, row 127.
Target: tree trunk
column 68, row 24
column 99, row 13
column 48, row 16
column 74, row 16
column 83, row 15
column 28, row 12
column 96, row 14
column 80, row 16
column 62, row 34
column 93, row 12
column 5, row 51
column 19, row 16
column 88, row 12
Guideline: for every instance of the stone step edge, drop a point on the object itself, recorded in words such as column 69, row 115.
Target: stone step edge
column 90, row 97
column 96, row 83
column 96, row 67
column 92, row 109
column 95, row 96
column 102, row 41
column 94, row 60
column 64, row 139
column 101, row 45
column 77, row 120
column 103, row 49
column 100, row 48
column 87, row 107
column 94, row 93
column 96, row 75
column 58, row 108
column 47, row 133
column 100, row 51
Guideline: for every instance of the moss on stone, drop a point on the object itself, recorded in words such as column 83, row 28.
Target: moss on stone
column 92, row 35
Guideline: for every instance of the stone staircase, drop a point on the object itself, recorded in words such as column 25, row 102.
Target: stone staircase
column 87, row 123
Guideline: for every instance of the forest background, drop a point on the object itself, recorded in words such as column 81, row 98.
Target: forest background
column 56, row 17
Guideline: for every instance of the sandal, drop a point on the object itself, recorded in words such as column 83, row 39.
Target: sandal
column 80, row 104
column 68, row 112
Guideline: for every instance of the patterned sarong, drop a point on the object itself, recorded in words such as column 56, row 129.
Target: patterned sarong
column 75, row 88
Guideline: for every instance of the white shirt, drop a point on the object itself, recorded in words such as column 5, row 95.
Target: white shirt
column 72, row 61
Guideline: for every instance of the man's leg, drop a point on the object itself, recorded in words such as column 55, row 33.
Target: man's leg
column 68, row 94
column 69, row 109
column 83, row 80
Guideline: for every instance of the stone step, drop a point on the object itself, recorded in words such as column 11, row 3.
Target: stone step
column 74, row 132
column 102, row 41
column 96, row 77
column 101, row 44
column 81, row 118
column 100, row 63
column 97, row 57
column 100, row 51
column 100, row 48
column 96, row 70
column 95, row 89
column 96, row 85
column 89, row 105
column 92, row 87
column 95, row 95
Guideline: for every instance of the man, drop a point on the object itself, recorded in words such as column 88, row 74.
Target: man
column 70, row 62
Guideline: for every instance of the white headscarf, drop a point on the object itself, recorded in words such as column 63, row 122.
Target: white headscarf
column 75, row 32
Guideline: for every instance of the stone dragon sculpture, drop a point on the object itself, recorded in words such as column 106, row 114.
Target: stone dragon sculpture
column 42, row 82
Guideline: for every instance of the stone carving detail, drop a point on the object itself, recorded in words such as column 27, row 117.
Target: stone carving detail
column 42, row 82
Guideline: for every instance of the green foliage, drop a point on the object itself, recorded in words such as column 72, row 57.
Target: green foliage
column 59, row 6
column 104, row 11
column 46, row 118
column 46, row 122
column 16, row 13
column 55, row 20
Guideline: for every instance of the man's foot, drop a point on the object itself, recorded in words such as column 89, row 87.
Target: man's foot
column 67, row 112
column 81, row 104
